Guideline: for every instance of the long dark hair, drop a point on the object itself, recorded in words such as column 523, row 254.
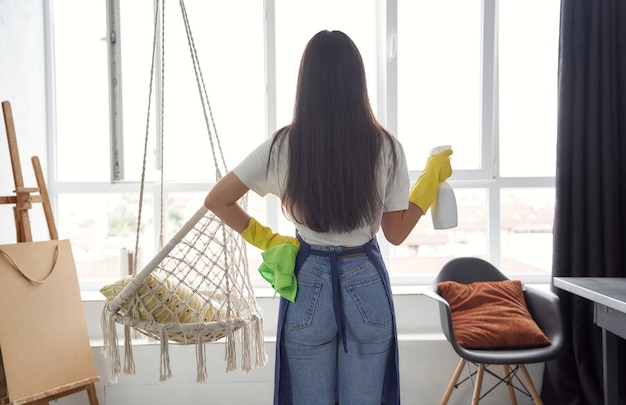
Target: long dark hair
column 335, row 142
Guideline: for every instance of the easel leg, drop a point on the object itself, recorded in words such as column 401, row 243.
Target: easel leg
column 91, row 393
column 45, row 199
column 3, row 382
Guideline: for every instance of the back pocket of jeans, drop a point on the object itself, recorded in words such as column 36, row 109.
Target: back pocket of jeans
column 300, row 314
column 370, row 297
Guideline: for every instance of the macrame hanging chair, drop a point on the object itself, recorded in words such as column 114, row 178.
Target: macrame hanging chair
column 197, row 288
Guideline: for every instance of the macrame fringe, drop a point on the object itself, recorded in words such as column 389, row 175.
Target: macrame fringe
column 230, row 352
column 202, row 373
column 110, row 346
column 166, row 371
column 111, row 349
column 245, row 349
column 129, row 361
column 258, row 340
column 250, row 335
column 253, row 339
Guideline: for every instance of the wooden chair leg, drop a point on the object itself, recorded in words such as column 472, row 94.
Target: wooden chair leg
column 531, row 386
column 509, row 383
column 479, row 383
column 452, row 384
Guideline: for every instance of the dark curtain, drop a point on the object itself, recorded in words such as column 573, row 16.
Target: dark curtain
column 590, row 215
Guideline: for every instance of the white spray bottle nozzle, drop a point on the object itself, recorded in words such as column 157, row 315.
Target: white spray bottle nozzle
column 438, row 149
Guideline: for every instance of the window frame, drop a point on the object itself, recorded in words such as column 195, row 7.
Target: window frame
column 487, row 177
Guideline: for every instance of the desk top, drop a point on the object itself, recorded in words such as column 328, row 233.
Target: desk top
column 607, row 291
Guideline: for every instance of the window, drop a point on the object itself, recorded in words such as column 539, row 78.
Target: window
column 228, row 40
column 439, row 98
column 104, row 101
column 472, row 75
column 468, row 74
column 82, row 93
column 297, row 22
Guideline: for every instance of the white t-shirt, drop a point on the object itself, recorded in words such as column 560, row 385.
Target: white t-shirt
column 395, row 195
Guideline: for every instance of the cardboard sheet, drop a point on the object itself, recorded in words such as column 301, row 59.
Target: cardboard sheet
column 43, row 333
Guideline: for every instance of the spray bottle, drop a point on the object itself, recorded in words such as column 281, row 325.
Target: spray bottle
column 444, row 210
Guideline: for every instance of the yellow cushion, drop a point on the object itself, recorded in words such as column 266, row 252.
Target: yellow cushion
column 491, row 315
column 166, row 301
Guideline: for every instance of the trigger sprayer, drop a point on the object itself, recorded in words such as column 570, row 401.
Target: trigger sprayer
column 444, row 210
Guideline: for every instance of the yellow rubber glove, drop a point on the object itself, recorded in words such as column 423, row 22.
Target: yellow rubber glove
column 263, row 237
column 437, row 170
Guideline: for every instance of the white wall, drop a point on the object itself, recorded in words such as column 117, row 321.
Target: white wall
column 427, row 362
column 426, row 359
column 23, row 84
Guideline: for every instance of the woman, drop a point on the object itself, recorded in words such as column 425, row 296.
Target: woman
column 340, row 177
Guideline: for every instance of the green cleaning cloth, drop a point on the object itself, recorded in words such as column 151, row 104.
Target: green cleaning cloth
column 278, row 268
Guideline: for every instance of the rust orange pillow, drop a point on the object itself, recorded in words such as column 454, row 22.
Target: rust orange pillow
column 491, row 315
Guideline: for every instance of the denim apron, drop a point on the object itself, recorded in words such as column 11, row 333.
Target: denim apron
column 391, row 385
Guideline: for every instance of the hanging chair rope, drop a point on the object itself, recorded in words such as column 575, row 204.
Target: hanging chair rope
column 206, row 105
column 196, row 289
column 155, row 42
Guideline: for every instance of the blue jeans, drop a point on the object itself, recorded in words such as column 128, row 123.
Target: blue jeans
column 319, row 364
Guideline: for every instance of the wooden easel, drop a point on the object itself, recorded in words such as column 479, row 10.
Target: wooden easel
column 22, row 201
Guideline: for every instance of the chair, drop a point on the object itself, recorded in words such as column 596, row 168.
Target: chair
column 543, row 307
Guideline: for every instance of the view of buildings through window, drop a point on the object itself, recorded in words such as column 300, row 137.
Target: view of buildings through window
column 464, row 73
